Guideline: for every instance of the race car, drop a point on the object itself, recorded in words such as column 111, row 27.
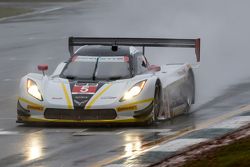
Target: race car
column 109, row 80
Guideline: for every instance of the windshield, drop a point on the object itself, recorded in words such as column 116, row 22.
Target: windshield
column 80, row 67
column 97, row 68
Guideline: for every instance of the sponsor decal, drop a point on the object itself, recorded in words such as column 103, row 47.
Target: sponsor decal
column 126, row 59
column 81, row 97
column 80, row 103
column 114, row 59
column 85, row 88
column 57, row 98
column 82, row 92
column 83, row 59
column 29, row 107
column 108, row 97
column 126, row 108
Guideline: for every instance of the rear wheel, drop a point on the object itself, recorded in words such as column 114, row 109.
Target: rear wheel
column 190, row 91
column 188, row 105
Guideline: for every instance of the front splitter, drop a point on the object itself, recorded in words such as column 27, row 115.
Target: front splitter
column 121, row 120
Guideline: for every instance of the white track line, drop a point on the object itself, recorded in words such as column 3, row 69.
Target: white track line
column 58, row 130
column 32, row 13
column 2, row 132
column 178, row 144
column 233, row 123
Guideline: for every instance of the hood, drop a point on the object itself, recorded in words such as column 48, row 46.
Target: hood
column 81, row 93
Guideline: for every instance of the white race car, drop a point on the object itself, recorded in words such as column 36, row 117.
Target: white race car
column 107, row 80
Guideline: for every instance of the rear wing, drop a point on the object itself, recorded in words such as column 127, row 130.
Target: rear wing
column 137, row 42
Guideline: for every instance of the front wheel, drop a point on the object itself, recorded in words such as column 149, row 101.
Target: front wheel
column 156, row 104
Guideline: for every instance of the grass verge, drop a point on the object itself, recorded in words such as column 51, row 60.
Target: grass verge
column 235, row 154
column 9, row 11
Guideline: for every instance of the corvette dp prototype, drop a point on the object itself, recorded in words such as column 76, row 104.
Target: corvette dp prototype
column 107, row 80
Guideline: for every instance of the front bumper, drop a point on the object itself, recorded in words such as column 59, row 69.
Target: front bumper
column 140, row 116
column 36, row 119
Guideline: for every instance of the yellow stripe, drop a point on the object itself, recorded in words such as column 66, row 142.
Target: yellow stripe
column 29, row 102
column 97, row 97
column 137, row 102
column 70, row 106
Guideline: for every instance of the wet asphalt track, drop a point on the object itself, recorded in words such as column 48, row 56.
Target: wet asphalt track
column 28, row 41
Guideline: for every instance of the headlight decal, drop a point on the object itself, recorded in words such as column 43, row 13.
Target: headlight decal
column 33, row 90
column 134, row 90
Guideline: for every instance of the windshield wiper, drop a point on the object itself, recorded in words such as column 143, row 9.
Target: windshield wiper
column 96, row 64
column 70, row 77
column 115, row 78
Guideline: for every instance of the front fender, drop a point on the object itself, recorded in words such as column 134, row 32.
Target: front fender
column 24, row 98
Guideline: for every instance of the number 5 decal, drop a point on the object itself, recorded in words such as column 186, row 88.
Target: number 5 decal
column 84, row 89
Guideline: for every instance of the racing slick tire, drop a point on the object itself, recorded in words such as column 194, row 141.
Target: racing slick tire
column 156, row 106
column 156, row 103
column 190, row 90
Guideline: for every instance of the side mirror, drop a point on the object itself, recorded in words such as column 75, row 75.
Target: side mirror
column 42, row 67
column 154, row 68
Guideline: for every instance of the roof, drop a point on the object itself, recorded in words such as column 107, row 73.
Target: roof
column 99, row 50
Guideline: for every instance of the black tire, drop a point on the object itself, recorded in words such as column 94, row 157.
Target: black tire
column 192, row 85
column 190, row 91
column 156, row 103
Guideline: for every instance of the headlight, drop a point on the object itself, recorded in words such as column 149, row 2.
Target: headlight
column 33, row 90
column 134, row 91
